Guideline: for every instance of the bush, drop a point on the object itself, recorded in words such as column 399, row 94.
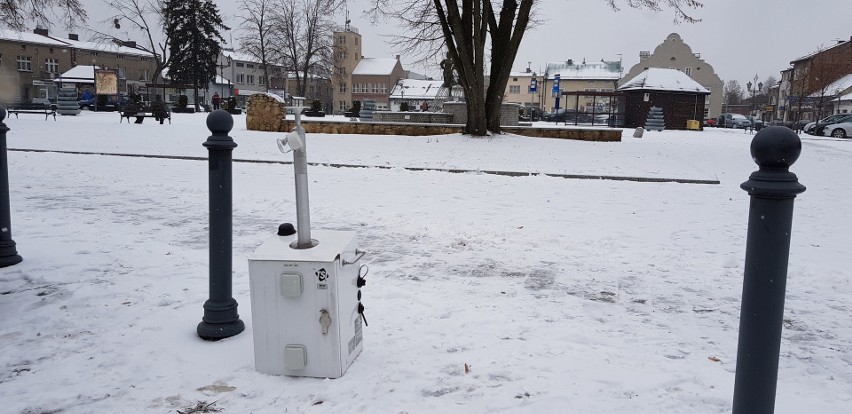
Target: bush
column 102, row 101
column 403, row 107
column 231, row 104
column 356, row 107
column 316, row 106
column 183, row 101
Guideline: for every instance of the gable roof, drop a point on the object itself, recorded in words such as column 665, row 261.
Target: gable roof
column 375, row 66
column 416, row 89
column 659, row 79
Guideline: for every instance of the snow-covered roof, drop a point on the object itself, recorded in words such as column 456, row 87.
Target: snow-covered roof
column 78, row 74
column 839, row 86
column 520, row 74
column 375, row 66
column 810, row 55
column 30, row 38
column 238, row 56
column 592, row 70
column 416, row 89
column 104, row 47
column 659, row 79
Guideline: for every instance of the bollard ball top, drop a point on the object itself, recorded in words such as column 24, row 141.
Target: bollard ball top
column 220, row 121
column 776, row 147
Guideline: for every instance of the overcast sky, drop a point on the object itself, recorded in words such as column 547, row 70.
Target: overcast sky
column 740, row 39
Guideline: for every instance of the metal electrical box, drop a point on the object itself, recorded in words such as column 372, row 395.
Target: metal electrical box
column 305, row 305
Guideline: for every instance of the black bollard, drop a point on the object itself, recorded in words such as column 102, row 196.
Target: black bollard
column 221, row 319
column 772, row 189
column 8, row 255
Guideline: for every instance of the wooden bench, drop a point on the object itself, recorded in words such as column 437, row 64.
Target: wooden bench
column 142, row 113
column 32, row 108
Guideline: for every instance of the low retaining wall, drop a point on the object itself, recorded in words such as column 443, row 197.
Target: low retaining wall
column 414, row 117
column 392, row 128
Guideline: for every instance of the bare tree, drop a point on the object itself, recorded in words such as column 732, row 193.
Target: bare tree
column 145, row 16
column 15, row 13
column 465, row 28
column 733, row 94
column 256, row 28
column 304, row 30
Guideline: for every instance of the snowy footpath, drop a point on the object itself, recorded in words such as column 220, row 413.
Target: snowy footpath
column 560, row 295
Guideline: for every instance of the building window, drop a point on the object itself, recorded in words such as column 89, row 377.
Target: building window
column 342, row 106
column 51, row 65
column 250, row 79
column 687, row 71
column 249, row 65
column 384, row 89
column 514, row 88
column 241, row 78
column 25, row 63
column 375, row 88
column 341, row 71
column 240, row 65
column 261, row 80
column 343, row 87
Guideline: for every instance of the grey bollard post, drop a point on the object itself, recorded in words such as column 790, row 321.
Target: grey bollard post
column 8, row 255
column 221, row 319
column 772, row 189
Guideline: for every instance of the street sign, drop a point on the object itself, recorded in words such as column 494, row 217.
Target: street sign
column 556, row 83
column 533, row 85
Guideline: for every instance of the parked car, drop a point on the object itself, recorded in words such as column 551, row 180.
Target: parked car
column 733, row 121
column 709, row 122
column 839, row 130
column 757, row 123
column 831, row 119
column 113, row 103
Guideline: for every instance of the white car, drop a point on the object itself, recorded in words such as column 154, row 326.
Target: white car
column 841, row 130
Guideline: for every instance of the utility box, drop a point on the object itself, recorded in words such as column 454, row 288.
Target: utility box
column 692, row 124
column 305, row 305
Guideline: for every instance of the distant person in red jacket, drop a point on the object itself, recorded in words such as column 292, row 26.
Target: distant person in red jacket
column 424, row 106
column 216, row 100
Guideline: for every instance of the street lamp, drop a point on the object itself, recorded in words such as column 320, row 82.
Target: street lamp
column 224, row 64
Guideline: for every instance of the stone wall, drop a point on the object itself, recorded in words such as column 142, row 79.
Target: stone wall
column 414, row 117
column 390, row 128
column 508, row 113
column 265, row 113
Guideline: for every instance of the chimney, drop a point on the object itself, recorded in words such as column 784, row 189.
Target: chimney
column 397, row 58
column 569, row 62
column 40, row 31
column 129, row 43
column 73, row 36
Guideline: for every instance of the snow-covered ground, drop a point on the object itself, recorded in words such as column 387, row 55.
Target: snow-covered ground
column 561, row 295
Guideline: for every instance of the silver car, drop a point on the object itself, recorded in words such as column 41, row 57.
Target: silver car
column 733, row 121
column 841, row 130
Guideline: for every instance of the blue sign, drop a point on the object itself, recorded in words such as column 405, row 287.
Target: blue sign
column 556, row 83
column 532, row 85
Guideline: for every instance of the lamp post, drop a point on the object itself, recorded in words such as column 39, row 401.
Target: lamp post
column 226, row 63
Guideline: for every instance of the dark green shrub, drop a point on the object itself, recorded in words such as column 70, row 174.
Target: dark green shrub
column 356, row 107
column 102, row 101
column 231, row 104
column 316, row 106
column 183, row 101
column 403, row 107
